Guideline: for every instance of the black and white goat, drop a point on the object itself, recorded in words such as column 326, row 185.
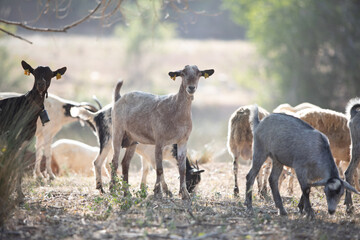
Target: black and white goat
column 19, row 115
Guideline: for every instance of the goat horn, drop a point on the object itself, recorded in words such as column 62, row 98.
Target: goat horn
column 88, row 106
column 349, row 187
column 319, row 183
column 97, row 101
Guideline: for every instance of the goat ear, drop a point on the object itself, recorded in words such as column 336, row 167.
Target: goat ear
column 319, row 183
column 173, row 75
column 207, row 73
column 58, row 73
column 27, row 67
column 196, row 172
column 349, row 187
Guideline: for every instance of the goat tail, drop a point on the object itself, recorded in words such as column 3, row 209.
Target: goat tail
column 352, row 108
column 82, row 113
column 118, row 86
column 254, row 118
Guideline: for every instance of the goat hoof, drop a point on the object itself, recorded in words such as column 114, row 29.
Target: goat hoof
column 157, row 193
column 350, row 209
column 282, row 212
column 236, row 192
column 169, row 194
column 250, row 210
column 51, row 176
column 184, row 194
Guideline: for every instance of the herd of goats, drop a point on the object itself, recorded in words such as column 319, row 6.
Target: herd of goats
column 316, row 145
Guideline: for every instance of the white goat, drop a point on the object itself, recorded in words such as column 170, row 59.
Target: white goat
column 157, row 120
column 74, row 156
column 240, row 144
column 59, row 112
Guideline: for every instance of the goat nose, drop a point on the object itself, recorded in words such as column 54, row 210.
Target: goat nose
column 331, row 211
column 191, row 88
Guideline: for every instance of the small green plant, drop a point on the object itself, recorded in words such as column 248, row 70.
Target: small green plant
column 119, row 197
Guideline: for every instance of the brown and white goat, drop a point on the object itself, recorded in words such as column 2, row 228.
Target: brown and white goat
column 19, row 115
column 156, row 120
column 103, row 131
column 239, row 144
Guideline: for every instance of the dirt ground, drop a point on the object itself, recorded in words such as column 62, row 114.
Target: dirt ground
column 71, row 208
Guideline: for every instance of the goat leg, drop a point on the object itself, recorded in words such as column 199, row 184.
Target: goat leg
column 125, row 167
column 47, row 154
column 274, row 184
column 165, row 187
column 20, row 194
column 159, row 171
column 235, row 169
column 182, row 171
column 98, row 163
column 301, row 204
column 349, row 175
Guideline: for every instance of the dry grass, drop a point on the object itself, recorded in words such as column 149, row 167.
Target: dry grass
column 71, row 208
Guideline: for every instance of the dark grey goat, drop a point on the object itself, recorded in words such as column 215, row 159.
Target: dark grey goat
column 291, row 142
column 18, row 115
column 352, row 112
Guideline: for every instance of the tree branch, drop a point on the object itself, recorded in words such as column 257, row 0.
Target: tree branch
column 64, row 29
column 15, row 36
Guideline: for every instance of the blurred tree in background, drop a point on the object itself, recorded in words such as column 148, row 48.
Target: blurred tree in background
column 312, row 47
column 144, row 22
column 10, row 69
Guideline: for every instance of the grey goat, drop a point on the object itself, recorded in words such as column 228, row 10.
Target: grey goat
column 291, row 142
column 352, row 112
column 156, row 120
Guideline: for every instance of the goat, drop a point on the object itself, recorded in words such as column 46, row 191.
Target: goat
column 292, row 142
column 103, row 130
column 353, row 116
column 59, row 111
column 290, row 110
column 19, row 115
column 239, row 143
column 156, row 120
column 74, row 156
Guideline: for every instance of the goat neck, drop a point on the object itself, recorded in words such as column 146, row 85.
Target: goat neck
column 36, row 98
column 183, row 102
